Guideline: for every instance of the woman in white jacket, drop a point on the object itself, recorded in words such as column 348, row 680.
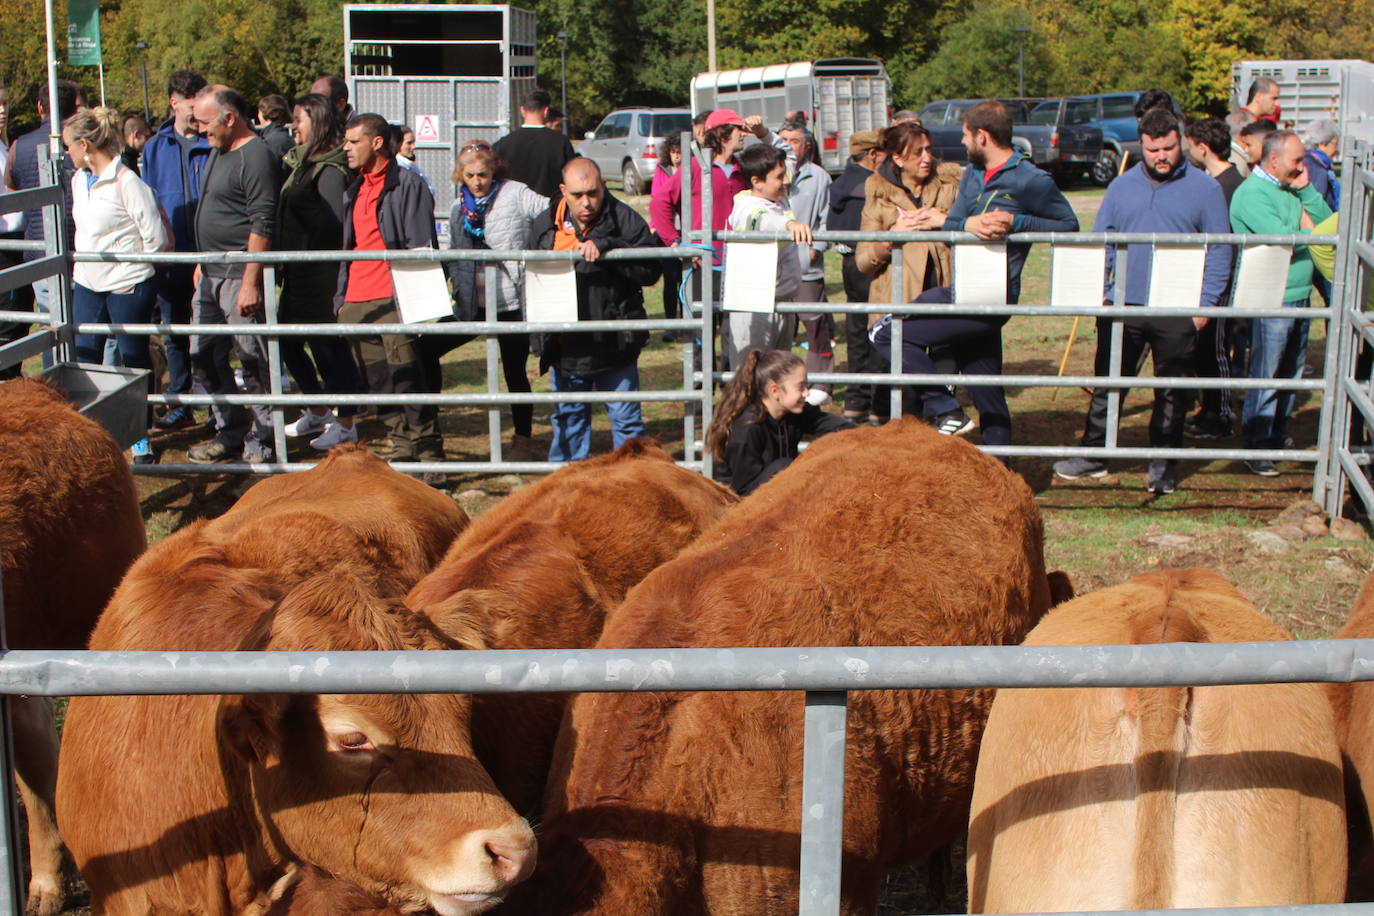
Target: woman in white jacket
column 495, row 212
column 114, row 211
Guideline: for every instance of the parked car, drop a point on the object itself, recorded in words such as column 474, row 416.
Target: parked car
column 1067, row 133
column 626, row 143
column 1120, row 133
column 942, row 119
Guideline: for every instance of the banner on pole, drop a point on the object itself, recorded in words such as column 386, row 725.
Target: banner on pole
column 83, row 33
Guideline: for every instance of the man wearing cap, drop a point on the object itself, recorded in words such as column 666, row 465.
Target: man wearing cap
column 846, row 212
column 723, row 137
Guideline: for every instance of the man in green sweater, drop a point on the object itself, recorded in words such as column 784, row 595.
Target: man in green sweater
column 1277, row 198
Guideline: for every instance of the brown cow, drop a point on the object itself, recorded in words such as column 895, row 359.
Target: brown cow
column 684, row 803
column 69, row 528
column 1157, row 798
column 541, row 568
column 1354, row 708
column 196, row 804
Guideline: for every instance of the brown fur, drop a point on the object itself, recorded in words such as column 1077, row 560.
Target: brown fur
column 1354, row 709
column 664, row 803
column 202, row 801
column 1157, row 798
column 540, row 570
column 69, row 528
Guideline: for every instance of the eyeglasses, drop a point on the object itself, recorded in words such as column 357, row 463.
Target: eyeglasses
column 475, row 146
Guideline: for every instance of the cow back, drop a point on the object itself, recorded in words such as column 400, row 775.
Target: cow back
column 69, row 518
column 664, row 803
column 1154, row 798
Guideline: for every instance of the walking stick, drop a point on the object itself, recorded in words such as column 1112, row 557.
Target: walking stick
column 1063, row 363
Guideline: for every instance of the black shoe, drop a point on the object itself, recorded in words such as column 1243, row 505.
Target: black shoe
column 1160, row 480
column 954, row 423
column 1207, row 426
column 670, row 337
column 1261, row 467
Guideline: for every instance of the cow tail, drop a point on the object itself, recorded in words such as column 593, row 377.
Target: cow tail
column 1162, row 719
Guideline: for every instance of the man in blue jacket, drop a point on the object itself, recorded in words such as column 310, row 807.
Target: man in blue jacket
column 172, row 163
column 1001, row 193
column 1161, row 194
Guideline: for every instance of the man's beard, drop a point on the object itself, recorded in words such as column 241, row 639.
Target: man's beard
column 977, row 157
column 1157, row 175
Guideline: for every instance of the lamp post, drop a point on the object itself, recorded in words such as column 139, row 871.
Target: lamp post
column 1021, row 33
column 143, row 66
column 563, row 56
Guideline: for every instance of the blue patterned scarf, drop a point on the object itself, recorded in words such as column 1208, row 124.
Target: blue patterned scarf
column 474, row 211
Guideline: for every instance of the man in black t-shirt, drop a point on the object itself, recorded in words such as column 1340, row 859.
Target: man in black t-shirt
column 536, row 155
column 237, row 212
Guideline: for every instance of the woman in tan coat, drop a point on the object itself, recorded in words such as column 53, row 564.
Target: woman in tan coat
column 911, row 192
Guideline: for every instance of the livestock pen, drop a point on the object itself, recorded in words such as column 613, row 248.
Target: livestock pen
column 825, row 674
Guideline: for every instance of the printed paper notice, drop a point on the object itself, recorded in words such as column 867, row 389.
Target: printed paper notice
column 1263, row 277
column 1176, row 276
column 751, row 276
column 1077, row 275
column 421, row 291
column 550, row 291
column 980, row 274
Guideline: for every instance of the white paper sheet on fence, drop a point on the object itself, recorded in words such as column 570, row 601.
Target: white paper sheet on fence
column 1263, row 277
column 1077, row 275
column 980, row 273
column 751, row 277
column 421, row 291
column 550, row 291
column 1176, row 276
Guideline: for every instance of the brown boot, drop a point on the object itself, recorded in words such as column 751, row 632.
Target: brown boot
column 522, row 448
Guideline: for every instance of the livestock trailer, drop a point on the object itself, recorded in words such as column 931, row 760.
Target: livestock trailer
column 451, row 73
column 1342, row 90
column 839, row 95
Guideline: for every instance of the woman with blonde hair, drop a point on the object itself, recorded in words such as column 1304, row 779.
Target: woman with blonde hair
column 114, row 211
column 495, row 212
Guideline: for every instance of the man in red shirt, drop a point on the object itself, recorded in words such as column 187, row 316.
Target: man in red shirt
column 388, row 207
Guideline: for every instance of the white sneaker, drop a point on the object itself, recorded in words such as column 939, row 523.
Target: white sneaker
column 818, row 397
column 309, row 424
column 335, row 434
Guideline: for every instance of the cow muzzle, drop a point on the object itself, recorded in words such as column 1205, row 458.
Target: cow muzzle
column 488, row 863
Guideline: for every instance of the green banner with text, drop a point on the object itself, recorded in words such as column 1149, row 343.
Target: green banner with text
column 83, row 33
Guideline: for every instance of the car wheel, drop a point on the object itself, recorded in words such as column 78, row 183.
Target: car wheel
column 629, row 180
column 1104, row 169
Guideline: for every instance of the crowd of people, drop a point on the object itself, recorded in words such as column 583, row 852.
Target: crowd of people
column 310, row 173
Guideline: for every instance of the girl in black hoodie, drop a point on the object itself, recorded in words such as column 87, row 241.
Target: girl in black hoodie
column 761, row 419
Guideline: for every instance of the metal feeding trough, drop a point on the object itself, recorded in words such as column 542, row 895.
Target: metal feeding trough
column 113, row 396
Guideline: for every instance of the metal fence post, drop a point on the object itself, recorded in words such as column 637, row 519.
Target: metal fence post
column 707, row 277
column 685, row 304
column 489, row 272
column 822, row 838
column 1114, row 367
column 55, row 240
column 1342, row 346
column 272, row 307
column 894, row 397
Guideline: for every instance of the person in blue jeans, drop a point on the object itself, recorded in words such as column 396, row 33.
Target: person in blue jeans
column 114, row 211
column 1278, row 197
column 586, row 219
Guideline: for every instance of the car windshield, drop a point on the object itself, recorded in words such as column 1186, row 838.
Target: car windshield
column 667, row 124
column 1045, row 113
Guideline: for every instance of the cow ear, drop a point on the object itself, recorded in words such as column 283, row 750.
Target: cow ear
column 474, row 617
column 249, row 725
column 1061, row 587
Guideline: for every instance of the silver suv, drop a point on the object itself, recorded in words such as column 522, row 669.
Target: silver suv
column 626, row 143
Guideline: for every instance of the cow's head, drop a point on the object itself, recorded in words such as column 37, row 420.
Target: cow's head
column 380, row 790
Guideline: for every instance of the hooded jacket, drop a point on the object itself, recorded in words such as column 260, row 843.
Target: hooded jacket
column 606, row 290
column 924, row 264
column 405, row 217
column 175, row 179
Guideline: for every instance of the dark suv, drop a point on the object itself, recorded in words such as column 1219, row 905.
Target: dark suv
column 1069, row 130
column 942, row 120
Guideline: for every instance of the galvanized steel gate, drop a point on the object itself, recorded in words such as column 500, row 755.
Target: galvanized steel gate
column 824, row 673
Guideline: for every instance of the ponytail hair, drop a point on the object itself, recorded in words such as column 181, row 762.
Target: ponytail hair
column 745, row 390
column 101, row 127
